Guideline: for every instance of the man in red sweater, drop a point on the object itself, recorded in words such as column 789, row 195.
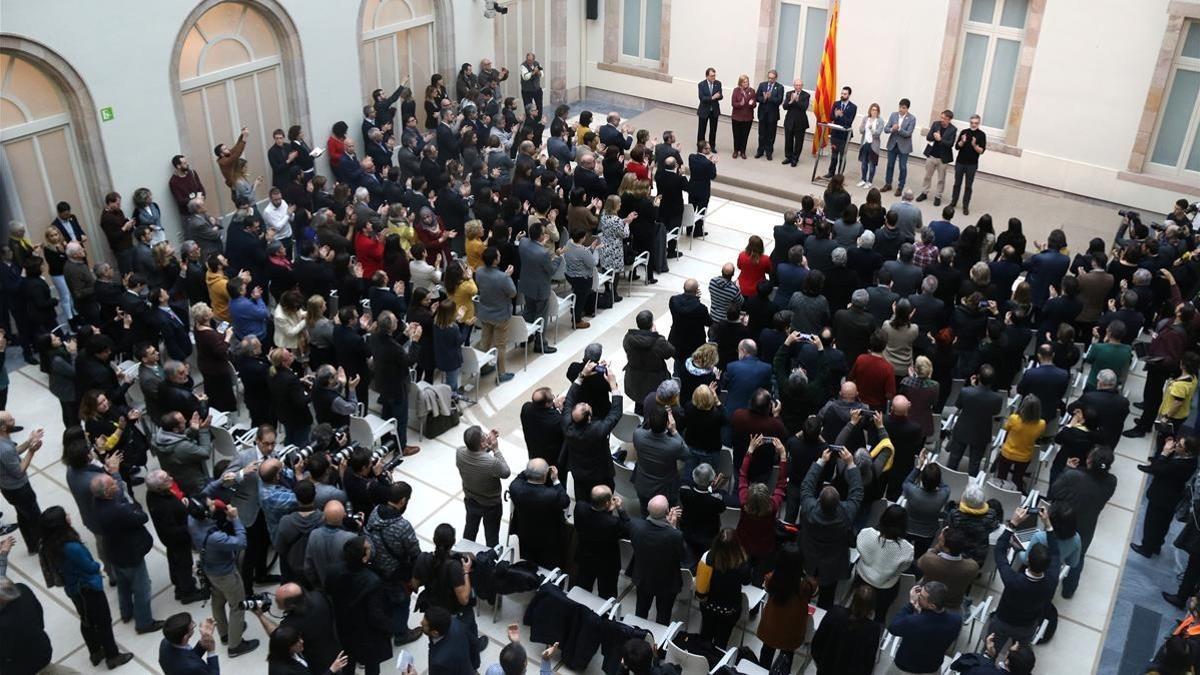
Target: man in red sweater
column 874, row 375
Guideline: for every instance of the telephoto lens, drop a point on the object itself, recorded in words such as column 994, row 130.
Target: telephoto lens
column 256, row 602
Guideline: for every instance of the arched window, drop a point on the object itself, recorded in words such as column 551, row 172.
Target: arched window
column 231, row 74
column 397, row 42
column 40, row 147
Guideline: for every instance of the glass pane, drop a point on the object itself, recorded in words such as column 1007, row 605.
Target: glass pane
column 200, row 144
column 27, row 178
column 419, row 39
column 56, row 156
column 1172, row 130
column 785, row 43
column 370, row 66
column 1000, row 86
column 631, row 25
column 1193, row 161
column 653, row 30
column 816, row 21
column 1013, row 14
column 1191, row 47
column 970, row 72
column 982, row 11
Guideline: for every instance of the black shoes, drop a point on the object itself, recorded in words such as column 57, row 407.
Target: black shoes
column 770, row 156
column 1174, row 600
column 150, row 628
column 966, row 211
column 786, row 160
column 886, row 187
column 759, row 154
column 1136, row 432
column 118, row 660
column 921, row 197
column 545, row 349
column 246, row 647
column 937, row 201
column 412, row 635
column 189, row 598
column 1141, row 550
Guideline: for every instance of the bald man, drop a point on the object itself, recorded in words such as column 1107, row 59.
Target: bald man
column 907, row 438
column 836, row 413
column 538, row 500
column 600, row 525
column 658, row 553
column 310, row 614
column 122, row 523
column 585, row 450
column 690, row 320
column 721, row 291
column 828, row 524
column 671, row 185
column 323, row 559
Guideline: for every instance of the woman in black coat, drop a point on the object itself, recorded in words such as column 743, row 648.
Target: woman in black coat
column 285, row 656
column 844, row 643
column 40, row 305
column 360, row 610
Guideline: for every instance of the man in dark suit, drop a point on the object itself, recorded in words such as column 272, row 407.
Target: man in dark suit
column 977, row 406
column 908, row 441
column 671, row 186
column 702, row 504
column 668, row 148
column 452, row 648
column 585, row 445
column 68, row 224
column 313, row 269
column 122, row 523
column 703, row 167
column 1110, row 405
column 538, row 500
column 449, row 144
column 612, row 133
column 842, row 114
column 586, row 178
column 177, row 657
column 177, row 339
column 689, row 323
column 906, row 276
column 852, row 327
column 787, row 235
column 881, row 297
column 795, row 122
column 600, row 525
column 709, row 111
column 928, row 309
column 537, row 267
column 1048, row 382
column 541, row 425
column 770, row 97
column 658, row 552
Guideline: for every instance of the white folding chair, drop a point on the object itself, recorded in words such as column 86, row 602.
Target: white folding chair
column 689, row 587
column 752, row 598
column 673, row 236
column 590, row 600
column 520, row 331
column 367, row 429
column 692, row 664
column 560, row 307
column 640, row 260
column 474, row 361
column 600, row 278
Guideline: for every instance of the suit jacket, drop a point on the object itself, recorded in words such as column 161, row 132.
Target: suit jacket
column 658, row 552
column 72, row 231
column 452, row 654
column 599, row 534
column 704, row 172
column 796, row 115
column 1049, row 383
column 901, row 139
column 587, row 180
column 943, row 149
column 610, row 135
column 879, row 303
column 770, row 97
column 786, row 236
column 906, row 278
column 977, row 406
column 176, row 337
column 537, row 267
column 175, row 660
column 852, row 329
column 541, row 425
column 537, row 519
column 123, row 526
column 244, row 492
column 1111, row 410
column 671, row 186
column 689, row 324
column 742, row 378
column 585, row 446
column 847, row 111
column 704, row 92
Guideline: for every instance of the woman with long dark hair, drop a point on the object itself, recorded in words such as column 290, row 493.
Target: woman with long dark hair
column 784, row 623
column 111, row 429
column 64, row 556
column 720, row 575
column 446, row 578
column 58, row 361
column 336, row 143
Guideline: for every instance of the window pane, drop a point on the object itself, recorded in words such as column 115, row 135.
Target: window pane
column 1191, row 47
column 785, row 44
column 1000, row 85
column 1014, row 12
column 653, row 49
column 966, row 100
column 1172, row 130
column 1193, row 162
column 814, row 44
column 982, row 11
column 631, row 24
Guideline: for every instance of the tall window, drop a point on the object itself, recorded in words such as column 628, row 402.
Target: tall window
column 991, row 46
column 397, row 43
column 37, row 140
column 1177, row 141
column 230, row 76
column 641, row 31
column 800, row 41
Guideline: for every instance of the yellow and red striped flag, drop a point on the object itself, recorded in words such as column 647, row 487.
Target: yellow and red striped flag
column 825, row 94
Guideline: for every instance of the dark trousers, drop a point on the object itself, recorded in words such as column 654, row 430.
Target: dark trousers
column 582, row 288
column 826, row 595
column 179, row 566
column 24, row 500
column 962, row 171
column 709, row 121
column 975, row 452
column 837, row 148
column 766, row 136
column 663, row 601
column 716, row 627
column 70, row 413
column 532, row 96
column 1005, row 467
column 490, row 515
column 605, row 580
column 741, row 133
column 95, row 622
column 1191, row 577
column 254, row 560
column 793, row 142
column 884, row 597
column 1156, row 523
column 767, row 654
column 397, row 408
column 124, row 261
column 1152, row 394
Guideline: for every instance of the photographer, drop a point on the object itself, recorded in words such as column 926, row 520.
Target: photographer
column 396, row 550
column 310, row 616
column 329, row 403
column 241, row 486
column 362, row 481
column 446, row 577
column 220, row 537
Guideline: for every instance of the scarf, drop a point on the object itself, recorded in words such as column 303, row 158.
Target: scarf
column 281, row 262
column 962, row 506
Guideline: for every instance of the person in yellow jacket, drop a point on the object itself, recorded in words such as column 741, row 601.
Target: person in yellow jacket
column 1022, row 430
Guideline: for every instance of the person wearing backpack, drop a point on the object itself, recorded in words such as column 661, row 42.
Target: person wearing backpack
column 291, row 535
column 396, row 549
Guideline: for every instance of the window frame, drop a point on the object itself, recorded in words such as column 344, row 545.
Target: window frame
column 641, row 60
column 801, row 33
column 1178, row 62
column 994, row 32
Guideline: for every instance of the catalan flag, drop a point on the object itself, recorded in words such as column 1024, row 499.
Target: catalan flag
column 826, row 92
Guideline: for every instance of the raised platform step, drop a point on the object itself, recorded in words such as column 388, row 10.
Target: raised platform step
column 754, row 195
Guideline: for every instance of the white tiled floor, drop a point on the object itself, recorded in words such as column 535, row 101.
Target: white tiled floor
column 437, row 489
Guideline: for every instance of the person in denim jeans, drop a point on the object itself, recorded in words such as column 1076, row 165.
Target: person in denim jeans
column 220, row 537
column 482, row 466
column 122, row 523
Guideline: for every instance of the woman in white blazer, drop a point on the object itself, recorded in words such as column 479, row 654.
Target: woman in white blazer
column 869, row 131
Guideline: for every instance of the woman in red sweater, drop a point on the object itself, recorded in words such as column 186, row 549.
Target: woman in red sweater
column 637, row 164
column 753, row 266
column 335, row 145
column 368, row 246
column 743, row 114
column 756, row 525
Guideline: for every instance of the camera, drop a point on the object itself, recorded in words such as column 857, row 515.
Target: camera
column 491, row 9
column 257, row 602
column 1132, row 215
column 291, row 455
column 600, row 370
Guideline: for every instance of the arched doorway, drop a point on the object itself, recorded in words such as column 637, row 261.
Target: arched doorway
column 397, row 41
column 50, row 147
column 238, row 65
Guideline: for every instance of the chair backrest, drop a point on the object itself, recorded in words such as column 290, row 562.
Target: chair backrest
column 470, row 361
column 361, row 432
column 222, row 442
column 956, row 480
column 516, row 330
column 625, row 427
column 1009, row 499
column 689, row 663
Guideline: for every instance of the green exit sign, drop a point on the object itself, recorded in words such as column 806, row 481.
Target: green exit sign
column 106, row 114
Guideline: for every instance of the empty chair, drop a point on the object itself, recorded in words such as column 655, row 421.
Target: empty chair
column 367, row 429
column 519, row 331
column 474, row 361
column 600, row 279
column 694, row 664
column 560, row 307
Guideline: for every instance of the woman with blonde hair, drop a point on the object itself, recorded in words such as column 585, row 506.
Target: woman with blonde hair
column 55, row 253
column 166, row 266
column 923, row 392
column 706, row 422
column 476, row 243
column 720, row 575
column 459, row 281
column 319, row 329
column 699, row 368
column 212, row 359
column 614, row 230
column 869, row 131
column 753, row 266
column 744, row 100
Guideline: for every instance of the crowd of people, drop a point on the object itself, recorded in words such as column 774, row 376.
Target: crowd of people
column 821, row 366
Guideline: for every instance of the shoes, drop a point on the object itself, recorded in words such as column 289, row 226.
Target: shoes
column 652, row 281
column 246, row 647
column 1142, row 551
column 898, row 191
column 118, row 660
column 267, row 579
column 189, row 598
column 224, row 639
column 1175, row 600
column 966, row 210
column 582, row 324
column 937, row 201
column 770, row 157
column 786, row 160
column 505, row 377
column 151, row 627
column 952, row 204
column 126, row 619
column 1140, row 405
column 410, row 450
column 7, row 529
column 886, row 187
column 794, row 163
column 481, row 644
column 412, row 635
column 759, row 154
column 545, row 349
column 136, row 480
column 618, row 298
column 96, row 658
column 921, row 197
column 1134, row 433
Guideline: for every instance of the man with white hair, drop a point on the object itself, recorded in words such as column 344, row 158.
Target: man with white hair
column 122, row 523
column 852, row 326
column 908, row 216
column 1110, row 405
column 277, row 216
column 538, row 500
column 587, row 179
column 81, row 283
column 614, row 133
column 200, row 228
column 184, row 447
column 169, row 515
column 863, row 258
column 745, row 376
column 658, row 554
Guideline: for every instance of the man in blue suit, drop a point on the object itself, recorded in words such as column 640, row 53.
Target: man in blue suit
column 703, row 167
column 745, row 376
column 451, row 648
column 1048, row 382
column 770, row 97
column 900, row 127
column 612, row 133
column 709, row 92
column 842, row 114
column 177, row 657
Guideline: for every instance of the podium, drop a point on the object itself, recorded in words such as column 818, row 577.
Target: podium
column 817, row 176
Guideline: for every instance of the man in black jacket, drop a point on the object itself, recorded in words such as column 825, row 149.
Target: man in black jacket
column 587, row 180
column 977, row 406
column 1110, row 405
column 350, row 349
column 827, row 524
column 852, row 327
column 689, row 324
column 658, row 554
column 795, row 122
column 671, row 186
column 392, row 359
column 290, row 397
column 585, row 439
column 538, row 500
column 600, row 525
column 175, row 393
column 1171, row 471
column 787, row 235
column 122, row 523
column 541, row 425
column 169, row 516
column 313, row 269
